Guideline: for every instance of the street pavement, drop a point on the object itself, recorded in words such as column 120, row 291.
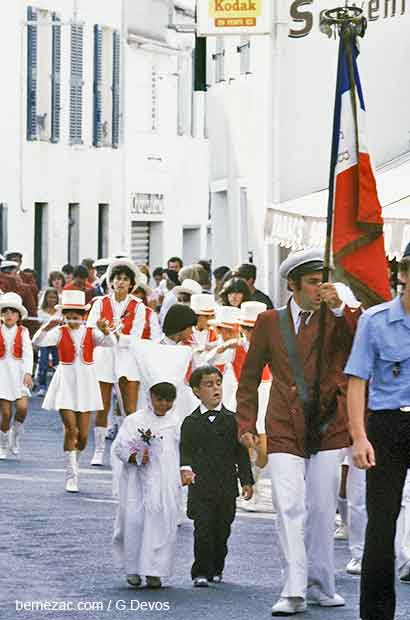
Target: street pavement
column 55, row 550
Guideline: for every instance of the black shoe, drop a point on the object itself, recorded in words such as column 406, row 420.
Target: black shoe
column 153, row 582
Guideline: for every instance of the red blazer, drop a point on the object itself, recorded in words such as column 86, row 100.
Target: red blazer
column 285, row 420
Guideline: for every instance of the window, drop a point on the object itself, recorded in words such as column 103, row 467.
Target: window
column 102, row 230
column 106, row 125
column 3, row 227
column 219, row 58
column 41, row 241
column 43, row 75
column 73, row 234
column 76, row 83
column 140, row 242
column 244, row 49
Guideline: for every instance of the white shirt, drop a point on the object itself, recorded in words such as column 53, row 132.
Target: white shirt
column 296, row 310
column 204, row 410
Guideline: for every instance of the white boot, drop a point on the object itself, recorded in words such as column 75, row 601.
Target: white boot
column 71, row 472
column 4, row 444
column 78, row 455
column 15, row 433
column 99, row 434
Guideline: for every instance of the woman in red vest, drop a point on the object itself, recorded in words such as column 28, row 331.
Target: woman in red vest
column 125, row 314
column 16, row 367
column 74, row 390
column 152, row 329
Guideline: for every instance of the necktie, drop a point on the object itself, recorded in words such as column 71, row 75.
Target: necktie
column 304, row 316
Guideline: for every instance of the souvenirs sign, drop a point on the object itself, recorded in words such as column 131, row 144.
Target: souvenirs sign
column 222, row 17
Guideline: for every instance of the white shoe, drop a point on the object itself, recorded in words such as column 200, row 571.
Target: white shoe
column 315, row 597
column 341, row 532
column 4, row 444
column 15, row 432
column 71, row 472
column 354, row 567
column 404, row 573
column 99, row 434
column 289, row 605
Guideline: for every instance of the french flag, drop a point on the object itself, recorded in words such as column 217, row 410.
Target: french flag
column 357, row 233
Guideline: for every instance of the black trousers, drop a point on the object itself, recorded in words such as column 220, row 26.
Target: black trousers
column 212, row 526
column 389, row 433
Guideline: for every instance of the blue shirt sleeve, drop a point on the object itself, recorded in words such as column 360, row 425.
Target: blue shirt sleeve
column 363, row 354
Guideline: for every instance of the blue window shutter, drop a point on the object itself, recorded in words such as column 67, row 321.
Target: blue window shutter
column 31, row 75
column 76, row 83
column 56, row 80
column 116, row 64
column 97, row 121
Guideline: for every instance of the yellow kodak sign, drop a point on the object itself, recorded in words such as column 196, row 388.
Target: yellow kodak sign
column 234, row 16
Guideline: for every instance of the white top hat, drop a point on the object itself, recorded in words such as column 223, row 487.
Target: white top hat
column 8, row 263
column 73, row 300
column 203, row 303
column 313, row 258
column 13, row 300
column 159, row 363
column 190, row 287
column 143, row 283
column 249, row 312
column 226, row 316
column 123, row 262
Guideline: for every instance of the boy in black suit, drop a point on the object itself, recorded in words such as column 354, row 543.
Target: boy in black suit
column 212, row 459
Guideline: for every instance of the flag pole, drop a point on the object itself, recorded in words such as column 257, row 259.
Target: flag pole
column 348, row 23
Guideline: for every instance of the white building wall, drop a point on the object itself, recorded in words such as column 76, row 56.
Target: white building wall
column 56, row 174
column 270, row 132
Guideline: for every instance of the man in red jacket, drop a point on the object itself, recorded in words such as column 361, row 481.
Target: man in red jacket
column 305, row 480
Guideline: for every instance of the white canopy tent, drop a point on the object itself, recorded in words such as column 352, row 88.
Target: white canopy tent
column 301, row 223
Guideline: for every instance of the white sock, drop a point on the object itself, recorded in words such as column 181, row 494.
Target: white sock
column 342, row 508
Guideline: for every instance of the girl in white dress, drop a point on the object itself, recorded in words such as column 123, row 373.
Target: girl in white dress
column 74, row 390
column 16, row 367
column 126, row 315
column 145, row 530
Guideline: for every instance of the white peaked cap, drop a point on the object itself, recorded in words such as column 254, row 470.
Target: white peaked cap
column 13, row 300
column 249, row 312
column 313, row 259
column 226, row 316
column 143, row 283
column 73, row 300
column 159, row 363
column 102, row 262
column 203, row 303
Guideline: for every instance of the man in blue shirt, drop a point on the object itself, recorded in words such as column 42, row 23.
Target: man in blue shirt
column 380, row 360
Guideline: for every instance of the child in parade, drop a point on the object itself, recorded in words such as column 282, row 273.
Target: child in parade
column 74, row 390
column 126, row 315
column 16, row 367
column 152, row 329
column 145, row 529
column 204, row 337
column 229, row 354
column 212, row 459
column 45, row 312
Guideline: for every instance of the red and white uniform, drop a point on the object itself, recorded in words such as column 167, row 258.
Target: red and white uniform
column 74, row 385
column 202, row 341
column 152, row 329
column 16, row 359
column 114, row 363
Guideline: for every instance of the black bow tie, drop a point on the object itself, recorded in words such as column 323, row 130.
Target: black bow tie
column 211, row 414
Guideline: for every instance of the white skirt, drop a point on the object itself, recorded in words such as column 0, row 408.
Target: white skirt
column 113, row 363
column 11, row 379
column 74, row 387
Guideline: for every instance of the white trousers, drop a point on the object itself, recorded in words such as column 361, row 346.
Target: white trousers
column 304, row 493
column 403, row 527
column 357, row 513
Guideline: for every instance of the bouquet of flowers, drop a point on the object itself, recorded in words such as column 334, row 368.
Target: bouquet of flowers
column 144, row 440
